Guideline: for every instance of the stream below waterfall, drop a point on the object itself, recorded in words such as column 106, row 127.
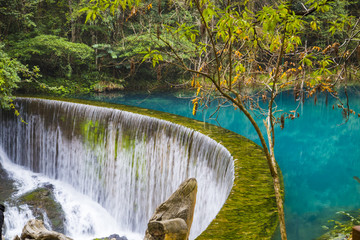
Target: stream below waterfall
column 85, row 219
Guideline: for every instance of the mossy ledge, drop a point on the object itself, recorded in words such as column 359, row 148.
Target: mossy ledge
column 250, row 211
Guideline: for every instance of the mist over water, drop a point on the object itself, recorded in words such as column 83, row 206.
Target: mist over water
column 110, row 169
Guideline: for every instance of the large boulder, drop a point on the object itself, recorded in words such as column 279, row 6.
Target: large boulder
column 173, row 218
column 35, row 230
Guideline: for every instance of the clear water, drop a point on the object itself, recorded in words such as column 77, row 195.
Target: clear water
column 318, row 154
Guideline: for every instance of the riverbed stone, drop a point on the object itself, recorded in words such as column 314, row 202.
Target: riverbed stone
column 173, row 218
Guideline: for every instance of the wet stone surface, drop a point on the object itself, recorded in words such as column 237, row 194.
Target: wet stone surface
column 6, row 185
column 42, row 202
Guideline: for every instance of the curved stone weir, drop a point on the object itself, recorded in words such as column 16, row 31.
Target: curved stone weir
column 128, row 163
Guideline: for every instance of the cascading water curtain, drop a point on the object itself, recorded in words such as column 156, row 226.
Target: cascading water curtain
column 127, row 162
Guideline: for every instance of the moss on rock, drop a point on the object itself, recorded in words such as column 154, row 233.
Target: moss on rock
column 42, row 200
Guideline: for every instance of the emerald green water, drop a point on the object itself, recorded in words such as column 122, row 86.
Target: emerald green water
column 318, row 153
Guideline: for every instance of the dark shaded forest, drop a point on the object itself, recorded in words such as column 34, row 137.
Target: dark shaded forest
column 59, row 47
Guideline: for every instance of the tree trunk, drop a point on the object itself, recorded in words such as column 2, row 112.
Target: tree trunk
column 276, row 179
column 269, row 153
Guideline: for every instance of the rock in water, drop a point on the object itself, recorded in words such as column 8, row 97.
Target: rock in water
column 42, row 201
column 173, row 218
column 112, row 237
column 35, row 230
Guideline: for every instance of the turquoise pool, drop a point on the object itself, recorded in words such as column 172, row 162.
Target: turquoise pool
column 318, row 153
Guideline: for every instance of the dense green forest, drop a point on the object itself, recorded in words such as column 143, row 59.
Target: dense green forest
column 52, row 42
column 244, row 52
column 57, row 46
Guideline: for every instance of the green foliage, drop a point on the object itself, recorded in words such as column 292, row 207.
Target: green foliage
column 133, row 54
column 142, row 28
column 144, row 42
column 97, row 7
column 9, row 78
column 152, row 54
column 340, row 24
column 327, row 27
column 276, row 20
column 131, row 35
column 36, row 16
column 54, row 54
column 12, row 72
column 63, row 86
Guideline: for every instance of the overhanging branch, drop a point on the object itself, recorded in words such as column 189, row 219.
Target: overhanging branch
column 311, row 10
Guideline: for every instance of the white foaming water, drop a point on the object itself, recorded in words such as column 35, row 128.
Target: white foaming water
column 85, row 219
column 125, row 162
column 15, row 219
column 47, row 222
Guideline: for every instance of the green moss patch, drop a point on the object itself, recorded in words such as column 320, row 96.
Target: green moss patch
column 42, row 200
column 250, row 210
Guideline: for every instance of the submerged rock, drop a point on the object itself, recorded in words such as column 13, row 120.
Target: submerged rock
column 173, row 218
column 334, row 236
column 113, row 237
column 43, row 205
column 35, row 230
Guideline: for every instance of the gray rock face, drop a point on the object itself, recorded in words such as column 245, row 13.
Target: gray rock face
column 35, row 230
column 173, row 218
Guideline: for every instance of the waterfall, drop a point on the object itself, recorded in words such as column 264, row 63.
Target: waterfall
column 128, row 163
